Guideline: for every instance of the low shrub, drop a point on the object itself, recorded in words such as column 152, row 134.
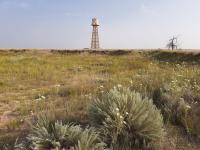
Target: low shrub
column 180, row 113
column 48, row 135
column 193, row 119
column 174, row 110
column 126, row 119
column 164, row 102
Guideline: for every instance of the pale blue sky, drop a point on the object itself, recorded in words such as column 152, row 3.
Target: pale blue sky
column 124, row 23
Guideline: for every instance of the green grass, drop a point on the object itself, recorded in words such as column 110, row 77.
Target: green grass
column 68, row 81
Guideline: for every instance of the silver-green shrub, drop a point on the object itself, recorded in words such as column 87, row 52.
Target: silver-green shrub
column 58, row 136
column 126, row 119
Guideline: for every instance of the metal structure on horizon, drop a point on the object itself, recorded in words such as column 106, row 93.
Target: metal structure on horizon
column 95, row 35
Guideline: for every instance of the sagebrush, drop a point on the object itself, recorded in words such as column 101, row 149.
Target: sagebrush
column 47, row 135
column 126, row 119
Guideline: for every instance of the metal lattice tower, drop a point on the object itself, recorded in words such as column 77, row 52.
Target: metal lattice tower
column 95, row 35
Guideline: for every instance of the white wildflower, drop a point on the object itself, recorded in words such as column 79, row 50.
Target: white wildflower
column 101, row 87
column 179, row 75
column 31, row 113
column 117, row 109
column 38, row 99
column 57, row 85
column 121, row 117
column 188, row 106
column 131, row 81
column 119, row 85
column 118, row 114
column 127, row 113
column 43, row 97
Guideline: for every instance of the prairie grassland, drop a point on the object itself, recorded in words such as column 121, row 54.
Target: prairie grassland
column 64, row 84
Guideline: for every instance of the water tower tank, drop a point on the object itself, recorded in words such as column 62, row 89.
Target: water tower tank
column 95, row 22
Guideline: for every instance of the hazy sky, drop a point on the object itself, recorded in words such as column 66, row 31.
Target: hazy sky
column 124, row 23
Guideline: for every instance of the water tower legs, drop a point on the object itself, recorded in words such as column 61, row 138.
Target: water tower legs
column 95, row 38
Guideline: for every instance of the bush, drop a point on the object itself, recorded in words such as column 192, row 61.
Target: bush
column 164, row 102
column 193, row 121
column 180, row 113
column 47, row 135
column 173, row 110
column 127, row 120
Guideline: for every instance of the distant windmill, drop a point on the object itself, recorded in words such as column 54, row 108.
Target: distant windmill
column 173, row 43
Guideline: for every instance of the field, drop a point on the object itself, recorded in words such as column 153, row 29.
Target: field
column 63, row 83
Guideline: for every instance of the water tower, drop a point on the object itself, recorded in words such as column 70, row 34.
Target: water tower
column 95, row 35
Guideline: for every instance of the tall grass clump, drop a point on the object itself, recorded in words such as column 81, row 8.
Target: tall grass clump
column 127, row 120
column 47, row 135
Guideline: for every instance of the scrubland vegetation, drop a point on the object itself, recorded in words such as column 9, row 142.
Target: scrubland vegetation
column 117, row 100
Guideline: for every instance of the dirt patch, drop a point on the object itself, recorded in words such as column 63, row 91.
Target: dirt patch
column 177, row 139
column 7, row 117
